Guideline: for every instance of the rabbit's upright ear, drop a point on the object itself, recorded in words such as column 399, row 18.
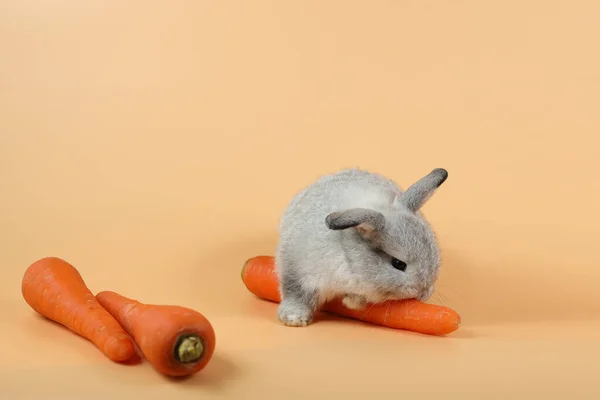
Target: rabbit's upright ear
column 419, row 192
column 367, row 222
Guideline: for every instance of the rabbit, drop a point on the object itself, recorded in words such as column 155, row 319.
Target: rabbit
column 355, row 235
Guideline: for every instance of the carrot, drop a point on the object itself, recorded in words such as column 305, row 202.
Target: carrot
column 177, row 341
column 260, row 278
column 55, row 289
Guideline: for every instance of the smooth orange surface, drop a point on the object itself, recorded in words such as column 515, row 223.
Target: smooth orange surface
column 154, row 145
column 55, row 290
column 157, row 330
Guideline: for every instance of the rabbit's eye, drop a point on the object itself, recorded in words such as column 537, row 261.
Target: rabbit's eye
column 400, row 265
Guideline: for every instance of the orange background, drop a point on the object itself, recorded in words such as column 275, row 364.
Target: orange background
column 155, row 144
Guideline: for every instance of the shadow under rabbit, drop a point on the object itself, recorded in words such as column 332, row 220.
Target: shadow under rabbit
column 480, row 293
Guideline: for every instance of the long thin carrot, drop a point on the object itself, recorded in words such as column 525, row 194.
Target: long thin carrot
column 55, row 289
column 260, row 278
column 177, row 341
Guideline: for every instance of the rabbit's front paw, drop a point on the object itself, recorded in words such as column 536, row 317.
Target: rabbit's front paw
column 293, row 314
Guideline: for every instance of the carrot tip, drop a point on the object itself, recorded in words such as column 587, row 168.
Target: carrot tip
column 189, row 349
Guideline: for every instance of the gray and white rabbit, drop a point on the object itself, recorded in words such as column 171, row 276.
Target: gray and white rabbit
column 356, row 235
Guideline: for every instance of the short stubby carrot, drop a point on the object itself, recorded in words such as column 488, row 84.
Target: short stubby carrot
column 55, row 289
column 177, row 341
column 260, row 278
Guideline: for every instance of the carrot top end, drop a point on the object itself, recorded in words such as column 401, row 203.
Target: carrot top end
column 189, row 349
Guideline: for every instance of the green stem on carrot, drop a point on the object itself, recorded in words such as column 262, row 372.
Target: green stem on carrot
column 189, row 348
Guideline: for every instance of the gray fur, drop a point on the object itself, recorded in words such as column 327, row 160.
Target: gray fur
column 419, row 192
column 337, row 238
column 367, row 222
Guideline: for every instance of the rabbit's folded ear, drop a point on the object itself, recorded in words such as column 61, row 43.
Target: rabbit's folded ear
column 419, row 192
column 367, row 222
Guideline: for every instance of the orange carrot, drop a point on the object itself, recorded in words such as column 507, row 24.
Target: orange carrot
column 56, row 290
column 260, row 278
column 177, row 341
